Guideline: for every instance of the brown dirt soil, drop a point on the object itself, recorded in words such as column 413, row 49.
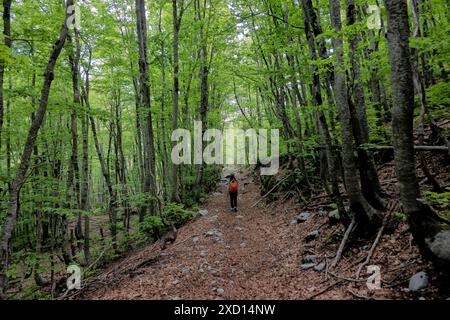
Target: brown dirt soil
column 257, row 255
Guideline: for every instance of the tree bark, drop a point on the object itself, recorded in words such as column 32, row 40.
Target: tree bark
column 370, row 183
column 430, row 231
column 177, row 17
column 204, row 92
column 85, row 186
column 8, row 44
column 145, row 107
column 365, row 215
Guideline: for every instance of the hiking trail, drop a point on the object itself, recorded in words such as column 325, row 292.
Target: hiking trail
column 252, row 254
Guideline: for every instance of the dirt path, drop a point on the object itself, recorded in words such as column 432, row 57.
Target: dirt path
column 248, row 255
column 254, row 254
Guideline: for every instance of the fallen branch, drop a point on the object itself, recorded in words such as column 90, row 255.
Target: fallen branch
column 181, row 242
column 391, row 208
column 270, row 191
column 372, row 249
column 98, row 258
column 342, row 245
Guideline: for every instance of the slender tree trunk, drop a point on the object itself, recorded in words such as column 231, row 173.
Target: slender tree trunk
column 370, row 183
column 38, row 213
column 204, row 94
column 8, row 44
column 103, row 164
column 176, row 91
column 19, row 179
column 365, row 215
column 419, row 85
column 165, row 162
column 8, row 133
column 331, row 158
column 145, row 106
column 85, row 186
column 73, row 181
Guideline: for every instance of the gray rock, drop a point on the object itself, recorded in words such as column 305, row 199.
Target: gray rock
column 440, row 244
column 203, row 253
column 194, row 240
column 216, row 194
column 216, row 234
column 185, row 270
column 295, row 221
column 320, row 266
column 418, row 281
column 312, row 235
column 307, row 266
column 302, row 217
column 220, row 290
column 309, row 258
column 228, row 247
column 202, row 213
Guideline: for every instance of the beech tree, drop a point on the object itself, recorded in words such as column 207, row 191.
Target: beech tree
column 431, row 232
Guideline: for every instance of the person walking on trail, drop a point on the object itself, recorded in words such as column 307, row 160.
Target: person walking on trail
column 233, row 187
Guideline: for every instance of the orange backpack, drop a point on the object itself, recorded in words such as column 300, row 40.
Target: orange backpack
column 233, row 186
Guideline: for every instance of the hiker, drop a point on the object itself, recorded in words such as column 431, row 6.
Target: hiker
column 233, row 187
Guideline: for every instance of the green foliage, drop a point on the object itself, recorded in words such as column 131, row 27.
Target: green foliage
column 151, row 225
column 441, row 200
column 174, row 213
column 438, row 97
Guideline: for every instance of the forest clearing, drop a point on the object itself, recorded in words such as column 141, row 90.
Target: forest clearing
column 225, row 150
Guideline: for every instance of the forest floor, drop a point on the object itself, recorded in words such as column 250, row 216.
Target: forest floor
column 257, row 253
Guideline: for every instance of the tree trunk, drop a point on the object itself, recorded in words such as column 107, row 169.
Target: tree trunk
column 419, row 85
column 365, row 215
column 176, row 91
column 85, row 186
column 103, row 166
column 204, row 93
column 165, row 162
column 8, row 44
column 430, row 231
column 145, row 106
column 370, row 183
column 330, row 155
